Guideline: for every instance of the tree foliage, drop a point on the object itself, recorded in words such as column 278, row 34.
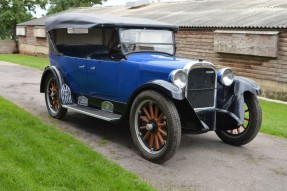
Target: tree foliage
column 13, row 12
column 62, row 5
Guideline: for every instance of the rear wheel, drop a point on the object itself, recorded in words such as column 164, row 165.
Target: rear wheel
column 252, row 123
column 52, row 98
column 155, row 126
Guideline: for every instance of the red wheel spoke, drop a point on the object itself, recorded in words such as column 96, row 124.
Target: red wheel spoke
column 156, row 142
column 146, row 136
column 162, row 131
column 160, row 117
column 231, row 131
column 151, row 141
column 244, row 126
column 160, row 138
column 156, row 112
column 146, row 113
column 56, row 104
column 151, row 110
column 238, row 130
column 144, row 118
column 142, row 127
column 162, row 124
column 53, row 85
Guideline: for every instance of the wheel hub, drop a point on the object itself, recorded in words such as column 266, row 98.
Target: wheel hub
column 152, row 126
column 149, row 127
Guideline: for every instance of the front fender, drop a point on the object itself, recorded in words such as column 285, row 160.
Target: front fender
column 163, row 86
column 232, row 98
column 48, row 70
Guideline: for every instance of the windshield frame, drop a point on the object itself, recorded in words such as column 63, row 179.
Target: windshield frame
column 173, row 42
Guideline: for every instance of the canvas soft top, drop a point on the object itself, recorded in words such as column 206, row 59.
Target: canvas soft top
column 82, row 20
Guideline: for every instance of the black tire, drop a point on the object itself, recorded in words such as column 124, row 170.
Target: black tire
column 52, row 98
column 164, row 120
column 251, row 126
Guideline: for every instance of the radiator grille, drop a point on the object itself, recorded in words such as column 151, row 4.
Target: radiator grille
column 201, row 87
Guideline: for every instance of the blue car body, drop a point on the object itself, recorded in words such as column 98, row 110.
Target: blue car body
column 123, row 78
column 93, row 74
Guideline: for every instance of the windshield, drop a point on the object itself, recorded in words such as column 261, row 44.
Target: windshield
column 139, row 40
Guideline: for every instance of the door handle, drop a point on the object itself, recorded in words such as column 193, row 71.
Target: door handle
column 92, row 68
column 83, row 66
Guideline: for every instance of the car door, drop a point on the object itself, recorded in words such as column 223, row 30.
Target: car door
column 75, row 71
column 103, row 78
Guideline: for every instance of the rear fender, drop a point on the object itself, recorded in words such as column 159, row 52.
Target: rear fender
column 51, row 70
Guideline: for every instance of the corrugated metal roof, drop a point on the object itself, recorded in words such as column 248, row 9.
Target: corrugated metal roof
column 202, row 13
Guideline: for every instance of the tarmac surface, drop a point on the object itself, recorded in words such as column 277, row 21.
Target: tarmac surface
column 202, row 162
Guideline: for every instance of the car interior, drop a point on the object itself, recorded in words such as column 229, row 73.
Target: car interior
column 99, row 44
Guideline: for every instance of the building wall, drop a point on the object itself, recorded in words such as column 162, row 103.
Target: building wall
column 8, row 47
column 32, row 45
column 270, row 73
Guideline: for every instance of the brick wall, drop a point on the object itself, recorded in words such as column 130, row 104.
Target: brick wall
column 30, row 44
column 268, row 72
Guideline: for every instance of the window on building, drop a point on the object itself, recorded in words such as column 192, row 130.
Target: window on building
column 40, row 32
column 255, row 43
column 21, row 31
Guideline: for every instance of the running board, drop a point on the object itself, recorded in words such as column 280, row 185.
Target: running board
column 100, row 114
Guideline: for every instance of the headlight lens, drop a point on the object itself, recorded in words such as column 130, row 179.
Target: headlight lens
column 225, row 76
column 179, row 78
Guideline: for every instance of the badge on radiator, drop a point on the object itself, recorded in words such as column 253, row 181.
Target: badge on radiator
column 66, row 95
column 82, row 100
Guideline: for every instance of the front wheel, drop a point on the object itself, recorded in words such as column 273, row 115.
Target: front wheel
column 252, row 123
column 52, row 98
column 155, row 126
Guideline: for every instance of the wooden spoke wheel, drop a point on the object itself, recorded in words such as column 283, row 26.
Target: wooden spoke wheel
column 252, row 123
column 151, row 122
column 52, row 98
column 155, row 126
column 240, row 130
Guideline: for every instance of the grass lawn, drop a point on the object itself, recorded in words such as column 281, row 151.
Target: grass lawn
column 33, row 61
column 274, row 120
column 38, row 156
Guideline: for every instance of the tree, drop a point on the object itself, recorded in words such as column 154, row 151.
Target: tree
column 13, row 12
column 62, row 5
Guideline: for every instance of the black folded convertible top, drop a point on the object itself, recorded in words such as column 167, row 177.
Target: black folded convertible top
column 82, row 20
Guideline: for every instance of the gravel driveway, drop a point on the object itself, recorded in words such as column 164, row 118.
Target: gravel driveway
column 203, row 162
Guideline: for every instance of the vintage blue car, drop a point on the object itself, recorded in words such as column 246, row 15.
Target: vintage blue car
column 125, row 69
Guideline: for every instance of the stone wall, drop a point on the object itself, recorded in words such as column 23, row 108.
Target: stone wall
column 8, row 47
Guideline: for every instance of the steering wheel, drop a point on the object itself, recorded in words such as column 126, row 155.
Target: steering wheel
column 129, row 47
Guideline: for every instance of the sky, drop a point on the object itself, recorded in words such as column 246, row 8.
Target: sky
column 40, row 12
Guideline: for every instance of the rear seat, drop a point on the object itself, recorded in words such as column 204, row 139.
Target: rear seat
column 99, row 52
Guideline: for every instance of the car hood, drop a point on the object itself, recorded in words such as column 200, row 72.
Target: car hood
column 156, row 60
